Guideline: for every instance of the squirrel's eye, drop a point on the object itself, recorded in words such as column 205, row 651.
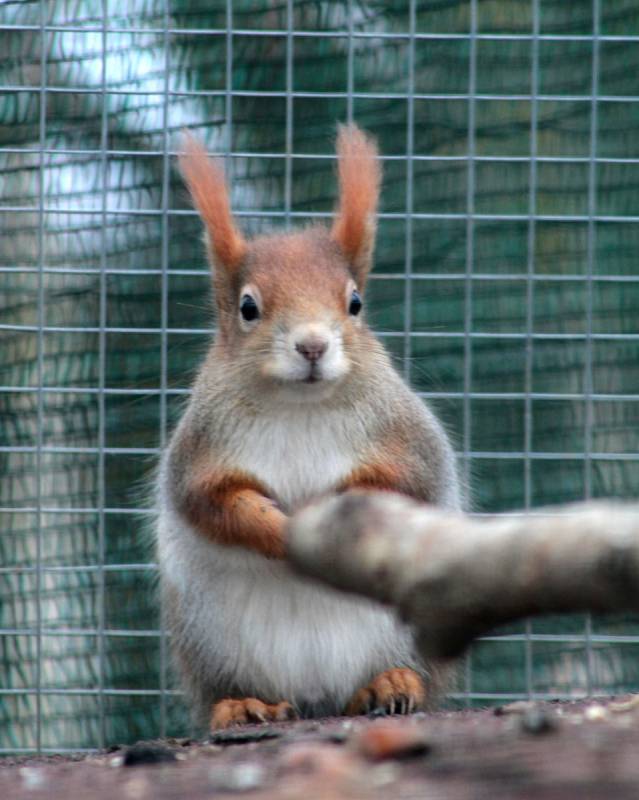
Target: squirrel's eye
column 355, row 306
column 248, row 308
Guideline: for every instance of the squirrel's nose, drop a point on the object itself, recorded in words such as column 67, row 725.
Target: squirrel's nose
column 312, row 349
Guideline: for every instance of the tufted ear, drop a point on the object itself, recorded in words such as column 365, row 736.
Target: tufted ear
column 205, row 180
column 359, row 174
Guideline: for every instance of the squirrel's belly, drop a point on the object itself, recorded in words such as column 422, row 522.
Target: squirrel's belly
column 309, row 645
column 273, row 635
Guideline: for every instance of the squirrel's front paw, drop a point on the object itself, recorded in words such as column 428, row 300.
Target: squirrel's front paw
column 396, row 691
column 250, row 709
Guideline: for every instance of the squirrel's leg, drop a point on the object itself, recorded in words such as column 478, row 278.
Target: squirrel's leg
column 396, row 691
column 239, row 712
column 234, row 511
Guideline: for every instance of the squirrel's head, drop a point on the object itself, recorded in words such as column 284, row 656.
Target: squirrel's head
column 290, row 306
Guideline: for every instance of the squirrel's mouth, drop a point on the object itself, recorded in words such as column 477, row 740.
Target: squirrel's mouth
column 313, row 376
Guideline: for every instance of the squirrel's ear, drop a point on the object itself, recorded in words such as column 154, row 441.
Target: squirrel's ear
column 355, row 222
column 205, row 180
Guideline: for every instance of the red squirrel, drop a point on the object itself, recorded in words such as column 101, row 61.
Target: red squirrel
column 296, row 399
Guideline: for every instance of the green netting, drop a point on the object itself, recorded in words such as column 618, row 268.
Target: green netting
column 85, row 194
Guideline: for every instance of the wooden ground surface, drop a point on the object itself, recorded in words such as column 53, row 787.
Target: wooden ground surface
column 553, row 751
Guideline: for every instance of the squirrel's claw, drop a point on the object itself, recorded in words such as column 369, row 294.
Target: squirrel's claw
column 399, row 690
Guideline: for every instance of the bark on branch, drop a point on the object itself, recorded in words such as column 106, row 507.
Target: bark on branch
column 455, row 577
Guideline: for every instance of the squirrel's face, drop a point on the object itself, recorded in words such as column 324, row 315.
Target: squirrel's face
column 296, row 313
column 290, row 306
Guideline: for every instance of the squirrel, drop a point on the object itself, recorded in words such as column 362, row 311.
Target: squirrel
column 296, row 399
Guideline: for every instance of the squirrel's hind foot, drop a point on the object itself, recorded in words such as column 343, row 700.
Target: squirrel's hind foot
column 240, row 712
column 396, row 691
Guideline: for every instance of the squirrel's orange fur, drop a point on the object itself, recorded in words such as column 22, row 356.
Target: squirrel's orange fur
column 359, row 179
column 234, row 509
column 207, row 185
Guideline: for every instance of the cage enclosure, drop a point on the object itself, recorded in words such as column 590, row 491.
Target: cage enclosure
column 506, row 287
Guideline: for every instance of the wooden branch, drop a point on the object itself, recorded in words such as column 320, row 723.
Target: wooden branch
column 455, row 577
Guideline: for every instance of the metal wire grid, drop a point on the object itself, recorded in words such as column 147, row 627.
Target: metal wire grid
column 407, row 335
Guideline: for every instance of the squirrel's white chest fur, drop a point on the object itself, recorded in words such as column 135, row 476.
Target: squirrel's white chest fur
column 261, row 627
column 297, row 452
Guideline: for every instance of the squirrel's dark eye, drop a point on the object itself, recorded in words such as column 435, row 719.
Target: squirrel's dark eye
column 355, row 305
column 248, row 308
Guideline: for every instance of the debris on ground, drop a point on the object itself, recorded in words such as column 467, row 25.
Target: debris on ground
column 147, row 753
column 392, row 739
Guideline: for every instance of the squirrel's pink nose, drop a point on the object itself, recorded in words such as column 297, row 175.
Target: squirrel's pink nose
column 312, row 348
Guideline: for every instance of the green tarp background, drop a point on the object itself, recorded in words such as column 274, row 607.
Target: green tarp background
column 122, row 303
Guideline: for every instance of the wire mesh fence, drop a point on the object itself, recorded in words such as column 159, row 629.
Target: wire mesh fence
column 506, row 287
